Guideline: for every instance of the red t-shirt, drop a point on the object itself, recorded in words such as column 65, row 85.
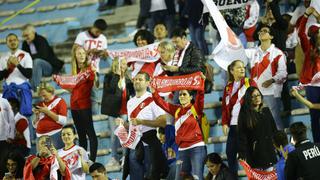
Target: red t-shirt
column 80, row 95
column 46, row 124
column 21, row 126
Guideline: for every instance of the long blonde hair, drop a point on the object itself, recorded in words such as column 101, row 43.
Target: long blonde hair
column 74, row 64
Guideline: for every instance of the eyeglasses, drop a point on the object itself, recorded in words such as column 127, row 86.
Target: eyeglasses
column 183, row 94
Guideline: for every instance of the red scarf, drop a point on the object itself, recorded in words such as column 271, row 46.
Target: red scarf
column 47, row 165
column 173, row 83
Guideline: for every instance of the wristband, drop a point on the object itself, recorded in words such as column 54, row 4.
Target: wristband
column 307, row 14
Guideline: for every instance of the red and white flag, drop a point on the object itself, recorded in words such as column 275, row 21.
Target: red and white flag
column 316, row 5
column 254, row 174
column 140, row 59
column 230, row 47
column 128, row 140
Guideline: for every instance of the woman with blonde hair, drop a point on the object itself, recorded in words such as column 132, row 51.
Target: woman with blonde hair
column 117, row 89
column 231, row 103
column 81, row 103
column 50, row 115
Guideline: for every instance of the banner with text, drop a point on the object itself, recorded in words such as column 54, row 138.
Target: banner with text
column 174, row 83
column 147, row 54
column 128, row 140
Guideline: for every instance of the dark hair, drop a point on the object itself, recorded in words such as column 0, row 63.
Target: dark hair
column 161, row 130
column 178, row 32
column 271, row 30
column 298, row 131
column 214, row 158
column 247, row 111
column 14, row 102
column 145, row 35
column 101, row 24
column 97, row 166
column 11, row 34
column 280, row 138
column 18, row 158
column 230, row 67
column 70, row 126
column 146, row 75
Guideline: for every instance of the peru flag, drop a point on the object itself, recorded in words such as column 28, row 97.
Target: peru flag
column 230, row 47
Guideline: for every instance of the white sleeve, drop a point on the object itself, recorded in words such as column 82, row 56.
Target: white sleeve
column 84, row 154
column 3, row 63
column 253, row 15
column 27, row 63
column 105, row 43
column 156, row 110
column 80, row 39
column 281, row 74
column 10, row 119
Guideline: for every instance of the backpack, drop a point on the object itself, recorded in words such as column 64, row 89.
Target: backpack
column 208, row 83
column 203, row 123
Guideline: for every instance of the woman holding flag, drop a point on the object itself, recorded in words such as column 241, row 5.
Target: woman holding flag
column 80, row 86
column 189, row 138
column 231, row 104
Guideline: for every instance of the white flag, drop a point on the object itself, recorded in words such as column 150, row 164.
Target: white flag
column 316, row 5
column 230, row 47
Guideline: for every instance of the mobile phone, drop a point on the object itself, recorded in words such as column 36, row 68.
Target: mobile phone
column 48, row 143
column 7, row 174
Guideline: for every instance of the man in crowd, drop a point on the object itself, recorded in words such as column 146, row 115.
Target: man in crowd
column 143, row 111
column 269, row 71
column 304, row 161
column 95, row 43
column 16, row 69
column 98, row 172
column 188, row 58
column 45, row 62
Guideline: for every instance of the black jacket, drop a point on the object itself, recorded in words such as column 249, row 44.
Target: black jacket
column 303, row 162
column 112, row 94
column 44, row 51
column 193, row 61
column 255, row 145
column 223, row 174
column 280, row 27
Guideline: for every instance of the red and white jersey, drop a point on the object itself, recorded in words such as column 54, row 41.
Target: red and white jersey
column 147, row 110
column 233, row 99
column 142, row 67
column 47, row 126
column 85, row 40
column 22, row 126
column 15, row 75
column 265, row 65
column 72, row 158
column 252, row 14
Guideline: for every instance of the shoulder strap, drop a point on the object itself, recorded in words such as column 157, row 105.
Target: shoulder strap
column 194, row 112
column 177, row 113
column 246, row 82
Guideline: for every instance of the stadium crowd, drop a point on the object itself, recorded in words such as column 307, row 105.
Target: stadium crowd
column 162, row 134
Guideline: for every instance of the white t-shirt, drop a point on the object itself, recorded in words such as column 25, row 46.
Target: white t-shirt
column 157, row 5
column 149, row 112
column 85, row 40
column 16, row 76
column 72, row 157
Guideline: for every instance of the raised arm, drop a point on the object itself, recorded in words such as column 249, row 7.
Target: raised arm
column 169, row 108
